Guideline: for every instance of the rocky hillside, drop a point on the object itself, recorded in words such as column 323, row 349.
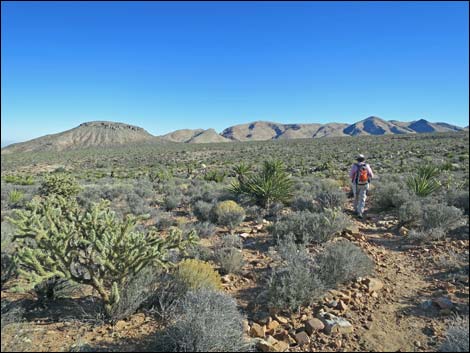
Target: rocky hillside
column 424, row 126
column 104, row 133
column 90, row 134
column 194, row 136
column 265, row 130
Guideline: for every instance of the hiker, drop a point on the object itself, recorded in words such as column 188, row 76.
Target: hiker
column 361, row 175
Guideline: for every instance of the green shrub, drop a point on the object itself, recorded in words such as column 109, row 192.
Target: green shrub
column 59, row 184
column 309, row 227
column 196, row 274
column 341, row 262
column 52, row 233
column 19, row 179
column 228, row 213
column 272, row 184
column 204, row 321
column 214, row 175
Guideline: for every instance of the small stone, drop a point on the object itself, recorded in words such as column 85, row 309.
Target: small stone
column 246, row 326
column 334, row 324
column 273, row 325
column 302, row 338
column 281, row 319
column 314, row 325
column 120, row 325
column 373, row 284
column 264, row 346
column 244, row 235
column 257, row 330
column 342, row 306
column 403, row 231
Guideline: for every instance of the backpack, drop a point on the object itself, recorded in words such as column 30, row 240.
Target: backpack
column 362, row 175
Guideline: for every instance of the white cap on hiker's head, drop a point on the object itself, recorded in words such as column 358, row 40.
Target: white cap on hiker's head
column 360, row 157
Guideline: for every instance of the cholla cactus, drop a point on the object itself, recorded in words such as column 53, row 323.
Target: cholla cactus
column 57, row 238
column 60, row 184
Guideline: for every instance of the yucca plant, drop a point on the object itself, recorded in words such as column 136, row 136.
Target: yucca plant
column 271, row 184
column 241, row 170
column 424, row 182
column 15, row 197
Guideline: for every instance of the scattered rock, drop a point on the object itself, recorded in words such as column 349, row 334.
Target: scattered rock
column 281, row 319
column 335, row 324
column 373, row 284
column 273, row 325
column 244, row 235
column 257, row 330
column 302, row 338
column 403, row 231
column 314, row 325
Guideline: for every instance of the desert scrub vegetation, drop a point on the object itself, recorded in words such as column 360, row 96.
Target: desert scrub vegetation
column 390, row 195
column 341, row 262
column 53, row 232
column 424, row 182
column 307, row 227
column 295, row 282
column 271, row 184
column 228, row 254
column 457, row 339
column 228, row 213
column 18, row 179
column 315, row 195
column 59, row 184
column 204, row 321
column 195, row 274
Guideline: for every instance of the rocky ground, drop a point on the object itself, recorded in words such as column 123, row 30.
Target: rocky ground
column 405, row 306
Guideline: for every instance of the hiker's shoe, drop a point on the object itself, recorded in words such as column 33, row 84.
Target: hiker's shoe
column 360, row 215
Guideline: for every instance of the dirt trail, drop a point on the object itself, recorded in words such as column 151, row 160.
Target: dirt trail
column 400, row 321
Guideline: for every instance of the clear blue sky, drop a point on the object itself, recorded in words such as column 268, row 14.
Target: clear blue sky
column 166, row 66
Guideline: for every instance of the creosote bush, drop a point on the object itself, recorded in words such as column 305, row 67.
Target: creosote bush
column 228, row 213
column 204, row 321
column 56, row 238
column 341, row 262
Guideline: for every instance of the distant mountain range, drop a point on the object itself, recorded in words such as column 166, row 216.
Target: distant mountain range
column 106, row 133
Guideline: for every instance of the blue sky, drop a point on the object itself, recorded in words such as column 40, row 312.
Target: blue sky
column 166, row 66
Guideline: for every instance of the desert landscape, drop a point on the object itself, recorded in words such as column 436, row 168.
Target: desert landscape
column 266, row 253
column 231, row 176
